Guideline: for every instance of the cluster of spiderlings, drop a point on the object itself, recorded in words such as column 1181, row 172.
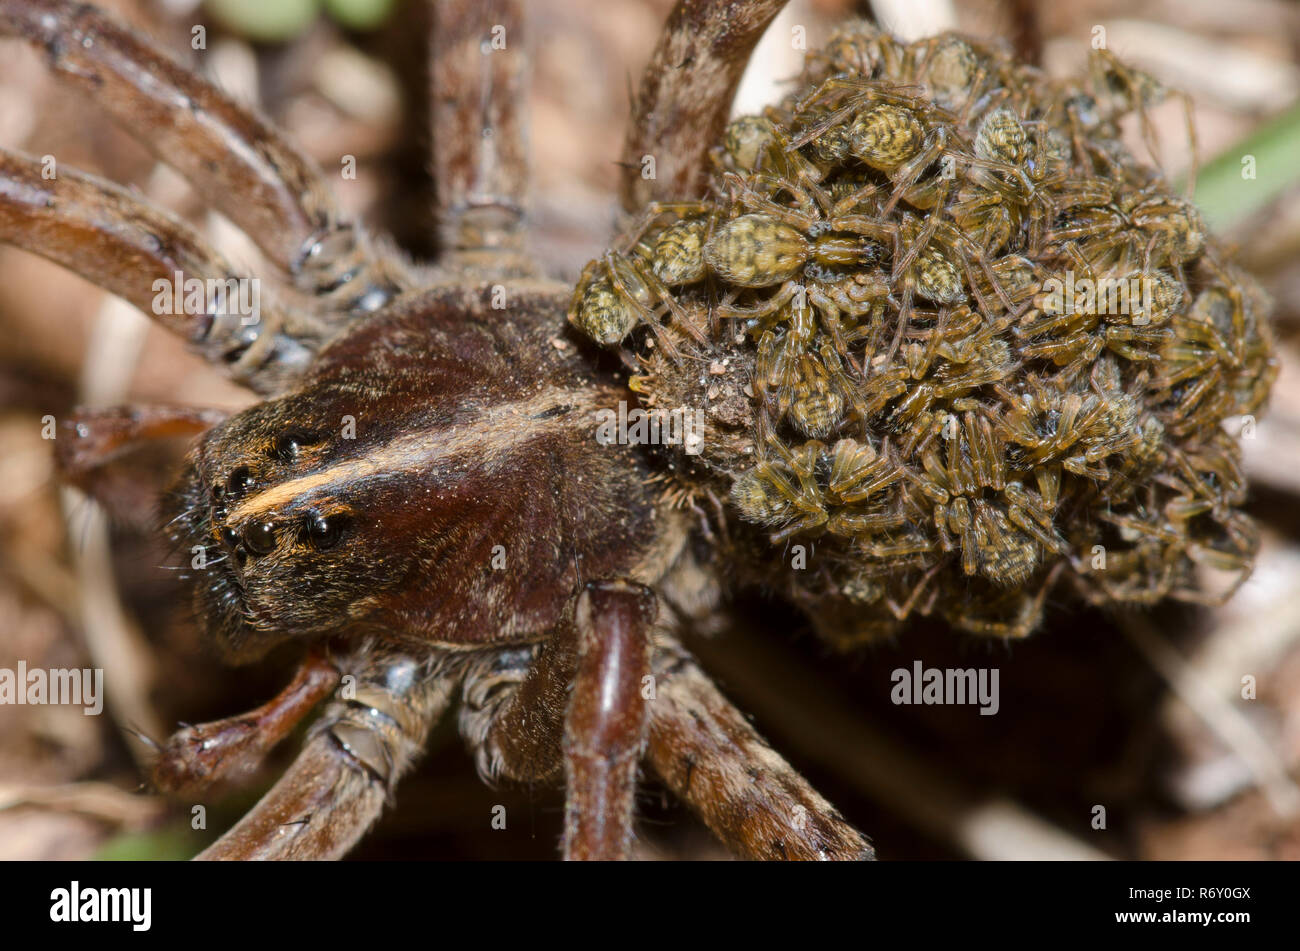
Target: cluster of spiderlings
column 950, row 332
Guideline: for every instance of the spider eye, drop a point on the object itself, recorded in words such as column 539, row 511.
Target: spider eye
column 288, row 444
column 240, row 481
column 259, row 537
column 324, row 531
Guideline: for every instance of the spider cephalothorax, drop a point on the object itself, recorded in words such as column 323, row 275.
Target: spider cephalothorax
column 425, row 499
column 433, row 441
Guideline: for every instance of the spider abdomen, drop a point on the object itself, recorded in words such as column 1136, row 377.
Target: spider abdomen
column 928, row 266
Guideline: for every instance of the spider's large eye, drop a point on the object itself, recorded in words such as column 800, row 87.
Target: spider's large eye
column 288, row 444
column 259, row 537
column 324, row 531
column 240, row 481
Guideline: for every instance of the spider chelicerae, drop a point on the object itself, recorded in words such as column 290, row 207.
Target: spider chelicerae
column 419, row 500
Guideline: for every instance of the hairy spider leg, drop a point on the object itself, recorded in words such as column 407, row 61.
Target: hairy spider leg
column 235, row 160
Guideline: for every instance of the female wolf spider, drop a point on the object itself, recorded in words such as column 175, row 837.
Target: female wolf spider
column 380, row 548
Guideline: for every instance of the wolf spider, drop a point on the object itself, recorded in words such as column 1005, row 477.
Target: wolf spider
column 380, row 550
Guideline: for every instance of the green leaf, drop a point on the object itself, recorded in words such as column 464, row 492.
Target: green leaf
column 270, row 21
column 1243, row 179
column 360, row 14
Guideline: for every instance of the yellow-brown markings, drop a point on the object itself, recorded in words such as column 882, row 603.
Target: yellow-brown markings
column 480, row 441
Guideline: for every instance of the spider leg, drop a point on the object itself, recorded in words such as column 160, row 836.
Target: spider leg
column 234, row 159
column 698, row 743
column 904, row 317
column 1193, row 144
column 512, row 712
column 197, row 757
column 574, row 710
column 100, row 231
column 93, row 438
column 685, row 96
column 89, row 441
column 357, row 751
column 608, row 718
column 479, row 96
column 1026, row 31
column 706, row 752
column 760, row 315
